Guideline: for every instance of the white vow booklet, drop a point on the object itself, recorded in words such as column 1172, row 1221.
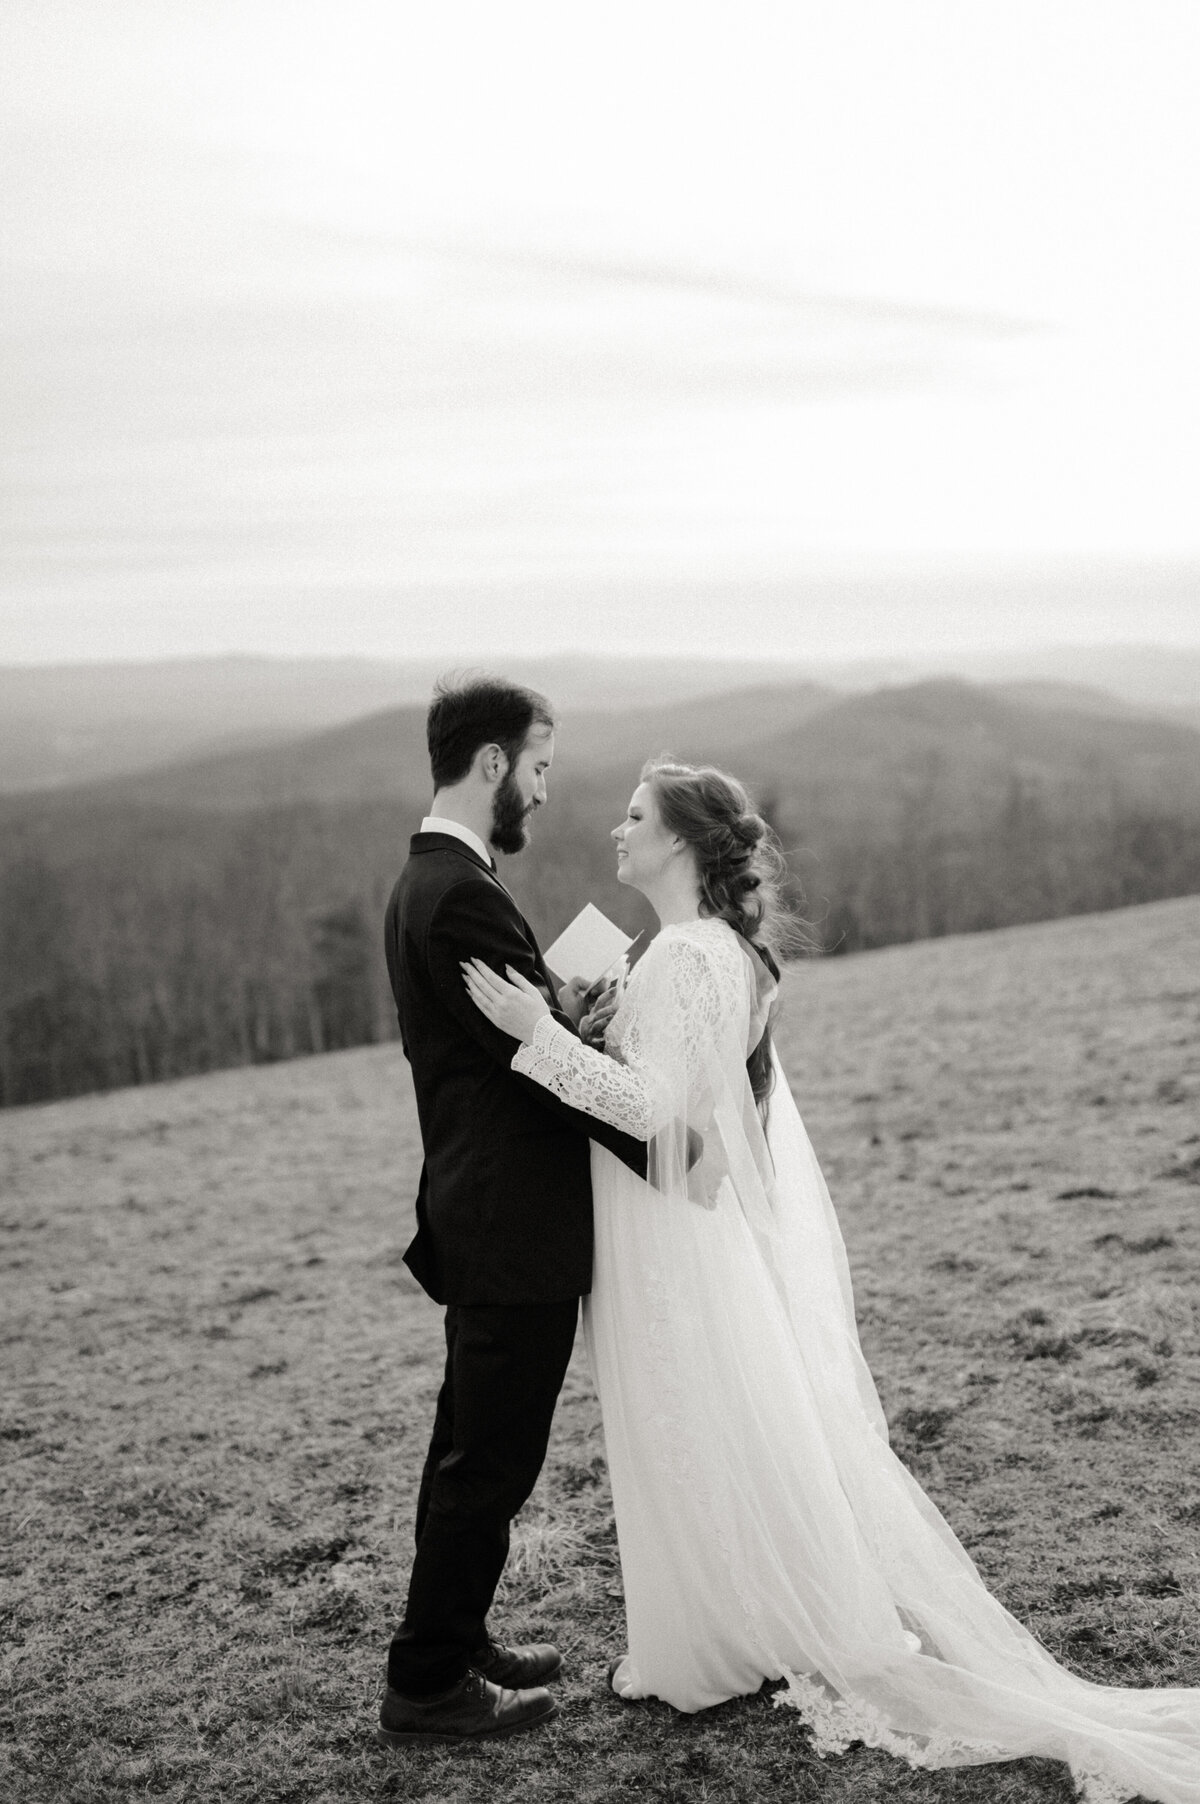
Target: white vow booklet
column 588, row 946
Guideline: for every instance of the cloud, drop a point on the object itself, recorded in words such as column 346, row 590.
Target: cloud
column 270, row 325
column 584, row 263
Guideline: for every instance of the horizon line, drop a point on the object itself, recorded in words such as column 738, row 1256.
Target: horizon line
column 447, row 660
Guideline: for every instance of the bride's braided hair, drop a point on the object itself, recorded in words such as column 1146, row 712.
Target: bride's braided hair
column 739, row 863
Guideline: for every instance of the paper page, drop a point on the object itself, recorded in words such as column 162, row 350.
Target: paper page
column 588, row 946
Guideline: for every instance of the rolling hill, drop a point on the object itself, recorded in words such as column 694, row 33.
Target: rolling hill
column 384, row 757
column 868, row 756
column 64, row 725
column 961, row 749
column 226, row 911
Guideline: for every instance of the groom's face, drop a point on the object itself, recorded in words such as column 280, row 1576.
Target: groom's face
column 521, row 790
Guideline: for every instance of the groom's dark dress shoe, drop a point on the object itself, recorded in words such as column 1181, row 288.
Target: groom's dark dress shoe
column 474, row 1709
column 518, row 1666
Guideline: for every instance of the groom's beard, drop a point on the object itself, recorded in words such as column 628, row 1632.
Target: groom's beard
column 510, row 814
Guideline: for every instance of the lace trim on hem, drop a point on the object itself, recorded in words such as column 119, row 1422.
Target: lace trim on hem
column 837, row 1723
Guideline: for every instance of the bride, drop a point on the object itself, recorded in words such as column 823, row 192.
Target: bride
column 766, row 1530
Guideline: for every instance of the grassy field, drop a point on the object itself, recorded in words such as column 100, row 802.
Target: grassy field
column 218, row 1381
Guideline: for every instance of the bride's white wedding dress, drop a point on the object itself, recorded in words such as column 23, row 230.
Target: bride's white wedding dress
column 766, row 1530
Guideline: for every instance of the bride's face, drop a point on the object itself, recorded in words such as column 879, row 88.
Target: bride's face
column 643, row 844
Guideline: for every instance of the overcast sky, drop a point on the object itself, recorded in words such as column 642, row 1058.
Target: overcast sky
column 367, row 327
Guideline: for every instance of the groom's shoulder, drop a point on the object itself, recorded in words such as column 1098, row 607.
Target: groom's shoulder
column 438, row 860
column 437, row 868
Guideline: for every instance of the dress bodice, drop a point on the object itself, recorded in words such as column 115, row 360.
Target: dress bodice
column 682, row 1020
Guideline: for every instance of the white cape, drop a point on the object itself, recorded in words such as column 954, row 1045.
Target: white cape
column 766, row 1529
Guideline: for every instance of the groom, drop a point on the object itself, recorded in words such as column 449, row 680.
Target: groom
column 504, row 1218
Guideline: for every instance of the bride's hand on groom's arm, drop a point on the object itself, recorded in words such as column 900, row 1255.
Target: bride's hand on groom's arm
column 514, row 1005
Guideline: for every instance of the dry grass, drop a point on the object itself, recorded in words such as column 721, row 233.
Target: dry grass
column 219, row 1381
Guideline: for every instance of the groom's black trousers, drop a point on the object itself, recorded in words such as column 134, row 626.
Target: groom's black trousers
column 504, row 1369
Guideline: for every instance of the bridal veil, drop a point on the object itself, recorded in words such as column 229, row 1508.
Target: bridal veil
column 767, row 1531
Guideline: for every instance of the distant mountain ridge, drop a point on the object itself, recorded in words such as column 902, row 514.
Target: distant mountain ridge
column 800, row 744
column 384, row 757
column 68, row 724
column 978, row 743
column 227, row 910
column 65, row 725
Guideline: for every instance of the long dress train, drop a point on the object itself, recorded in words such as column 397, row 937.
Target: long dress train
column 766, row 1529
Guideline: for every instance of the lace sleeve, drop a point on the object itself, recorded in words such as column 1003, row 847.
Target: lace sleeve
column 660, row 1046
column 588, row 1079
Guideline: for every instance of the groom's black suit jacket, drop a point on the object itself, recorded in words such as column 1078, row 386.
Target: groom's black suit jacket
column 504, row 1206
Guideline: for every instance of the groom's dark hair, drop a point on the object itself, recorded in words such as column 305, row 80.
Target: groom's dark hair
column 467, row 713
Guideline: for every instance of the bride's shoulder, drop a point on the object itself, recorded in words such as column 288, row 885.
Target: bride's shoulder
column 704, row 944
column 709, row 931
column 689, row 970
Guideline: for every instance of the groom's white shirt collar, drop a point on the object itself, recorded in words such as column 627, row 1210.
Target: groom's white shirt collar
column 437, row 823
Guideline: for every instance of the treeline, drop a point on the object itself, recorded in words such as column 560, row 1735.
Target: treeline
column 162, row 947
column 136, row 946
column 1016, row 862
